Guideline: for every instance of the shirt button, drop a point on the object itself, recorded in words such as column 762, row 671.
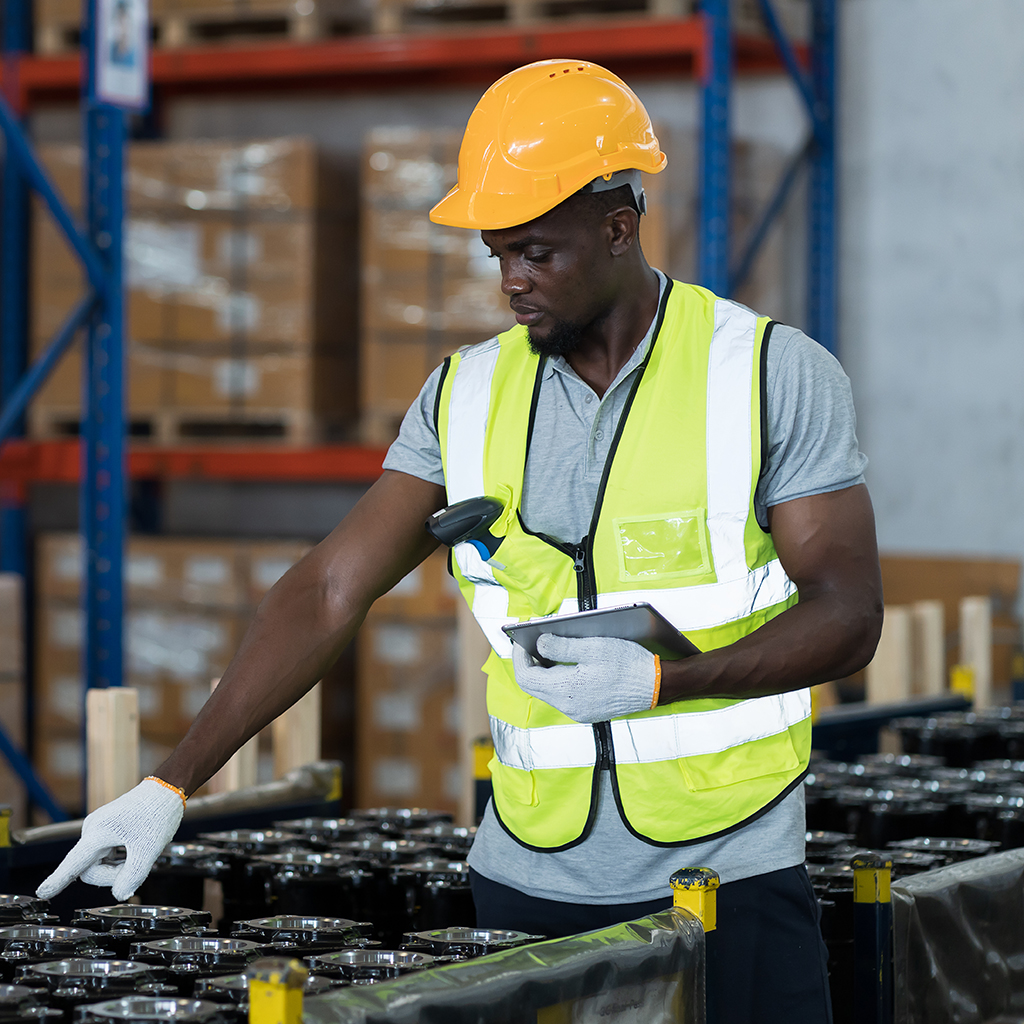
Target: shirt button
column 588, row 399
column 599, row 435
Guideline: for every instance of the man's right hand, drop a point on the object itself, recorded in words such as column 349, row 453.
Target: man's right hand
column 143, row 821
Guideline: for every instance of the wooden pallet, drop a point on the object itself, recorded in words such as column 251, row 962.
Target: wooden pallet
column 390, row 16
column 176, row 427
column 182, row 23
column 243, row 21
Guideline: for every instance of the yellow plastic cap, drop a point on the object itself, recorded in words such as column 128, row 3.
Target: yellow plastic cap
column 540, row 134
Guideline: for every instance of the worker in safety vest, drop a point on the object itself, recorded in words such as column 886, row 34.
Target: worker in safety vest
column 647, row 441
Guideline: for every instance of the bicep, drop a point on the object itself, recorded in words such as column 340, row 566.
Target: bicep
column 380, row 541
column 826, row 543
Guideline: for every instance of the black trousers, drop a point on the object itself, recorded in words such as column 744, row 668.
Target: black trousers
column 766, row 961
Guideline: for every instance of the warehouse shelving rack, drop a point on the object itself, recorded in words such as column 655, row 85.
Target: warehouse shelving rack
column 703, row 47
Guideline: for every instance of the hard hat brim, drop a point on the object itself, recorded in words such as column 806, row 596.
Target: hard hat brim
column 489, row 211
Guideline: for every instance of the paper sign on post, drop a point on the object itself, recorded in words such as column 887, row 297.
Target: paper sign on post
column 121, row 72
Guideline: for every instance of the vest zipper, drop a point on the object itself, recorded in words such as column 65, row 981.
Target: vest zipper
column 586, row 587
column 585, row 583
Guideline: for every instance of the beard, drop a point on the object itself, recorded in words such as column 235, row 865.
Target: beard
column 563, row 339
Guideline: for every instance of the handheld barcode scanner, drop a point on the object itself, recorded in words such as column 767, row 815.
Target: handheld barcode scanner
column 470, row 521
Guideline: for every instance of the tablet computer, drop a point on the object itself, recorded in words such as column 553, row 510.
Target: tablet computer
column 637, row 622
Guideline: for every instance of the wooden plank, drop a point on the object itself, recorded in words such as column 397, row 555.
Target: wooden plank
column 976, row 645
column 890, row 672
column 111, row 743
column 928, row 626
column 12, row 634
column 241, row 768
column 472, row 695
column 296, row 734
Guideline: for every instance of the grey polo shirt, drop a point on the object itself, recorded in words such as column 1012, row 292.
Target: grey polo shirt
column 812, row 449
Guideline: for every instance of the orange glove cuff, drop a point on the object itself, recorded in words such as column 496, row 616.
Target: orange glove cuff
column 657, row 682
column 181, row 793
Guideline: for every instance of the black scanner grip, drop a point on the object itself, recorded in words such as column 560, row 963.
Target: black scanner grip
column 465, row 520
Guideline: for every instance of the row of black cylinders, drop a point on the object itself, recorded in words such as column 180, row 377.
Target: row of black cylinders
column 925, row 809
column 360, row 900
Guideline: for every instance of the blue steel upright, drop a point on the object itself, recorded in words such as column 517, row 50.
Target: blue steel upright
column 14, row 287
column 103, row 494
column 822, row 286
column 713, row 223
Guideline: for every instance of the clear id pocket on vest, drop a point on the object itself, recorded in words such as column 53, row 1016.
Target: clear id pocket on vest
column 664, row 546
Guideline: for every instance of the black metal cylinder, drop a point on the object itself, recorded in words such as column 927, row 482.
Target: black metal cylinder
column 292, row 935
column 70, row 983
column 186, row 958
column 32, row 944
column 401, row 819
column 466, row 943
column 363, row 966
column 314, row 884
column 153, row 1010
column 452, row 841
column 19, row 1003
column 179, row 875
column 319, row 833
column 126, row 924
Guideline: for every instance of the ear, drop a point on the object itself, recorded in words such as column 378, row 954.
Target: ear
column 623, row 227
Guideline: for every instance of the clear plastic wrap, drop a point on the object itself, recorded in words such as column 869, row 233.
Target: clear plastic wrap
column 959, row 942
column 650, row 970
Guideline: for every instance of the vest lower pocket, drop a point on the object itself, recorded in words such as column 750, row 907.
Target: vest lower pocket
column 773, row 755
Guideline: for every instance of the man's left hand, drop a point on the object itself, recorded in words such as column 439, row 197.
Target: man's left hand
column 594, row 679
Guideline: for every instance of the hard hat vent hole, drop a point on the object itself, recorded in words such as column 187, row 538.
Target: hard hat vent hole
column 553, row 75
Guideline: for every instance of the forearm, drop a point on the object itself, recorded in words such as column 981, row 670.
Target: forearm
column 825, row 637
column 297, row 634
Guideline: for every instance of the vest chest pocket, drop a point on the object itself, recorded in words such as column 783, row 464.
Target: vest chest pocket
column 667, row 545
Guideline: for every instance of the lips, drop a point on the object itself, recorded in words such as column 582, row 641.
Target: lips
column 525, row 315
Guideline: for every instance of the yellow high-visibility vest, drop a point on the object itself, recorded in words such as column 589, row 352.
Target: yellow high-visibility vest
column 674, row 526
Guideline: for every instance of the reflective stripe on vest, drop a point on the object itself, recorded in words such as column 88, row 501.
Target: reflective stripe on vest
column 643, row 740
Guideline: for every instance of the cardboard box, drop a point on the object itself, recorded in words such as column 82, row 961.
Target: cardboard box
column 158, row 570
column 180, row 645
column 407, row 714
column 428, row 592
column 267, row 562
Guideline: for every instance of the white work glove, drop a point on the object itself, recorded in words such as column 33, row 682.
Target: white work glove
column 596, row 678
column 143, row 821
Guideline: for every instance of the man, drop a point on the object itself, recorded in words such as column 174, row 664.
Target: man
column 648, row 441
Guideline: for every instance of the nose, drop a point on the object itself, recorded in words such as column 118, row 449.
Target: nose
column 513, row 281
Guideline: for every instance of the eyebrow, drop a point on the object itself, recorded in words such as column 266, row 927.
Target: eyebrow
column 523, row 243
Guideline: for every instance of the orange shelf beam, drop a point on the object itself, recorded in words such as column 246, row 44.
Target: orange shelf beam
column 24, row 462
column 640, row 46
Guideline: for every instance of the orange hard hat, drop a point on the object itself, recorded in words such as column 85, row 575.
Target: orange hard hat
column 541, row 133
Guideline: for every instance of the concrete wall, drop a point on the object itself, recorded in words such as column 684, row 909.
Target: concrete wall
column 932, row 266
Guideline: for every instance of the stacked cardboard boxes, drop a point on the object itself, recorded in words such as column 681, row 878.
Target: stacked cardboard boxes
column 406, row 702
column 427, row 289
column 189, row 602
column 240, row 268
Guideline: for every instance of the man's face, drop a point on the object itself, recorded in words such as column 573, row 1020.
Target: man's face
column 556, row 271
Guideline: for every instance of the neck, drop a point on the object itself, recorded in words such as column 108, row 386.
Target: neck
column 609, row 342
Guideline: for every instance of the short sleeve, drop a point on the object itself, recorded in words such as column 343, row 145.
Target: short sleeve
column 416, row 450
column 812, row 426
